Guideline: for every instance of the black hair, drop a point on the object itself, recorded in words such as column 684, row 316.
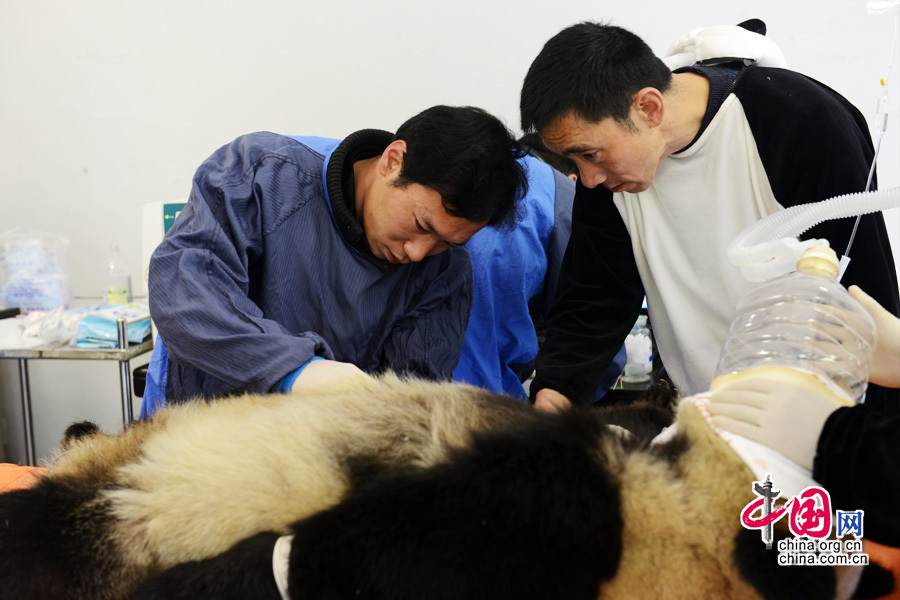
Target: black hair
column 591, row 70
column 467, row 156
column 533, row 143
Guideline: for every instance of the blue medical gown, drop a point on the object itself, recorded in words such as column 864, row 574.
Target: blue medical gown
column 515, row 274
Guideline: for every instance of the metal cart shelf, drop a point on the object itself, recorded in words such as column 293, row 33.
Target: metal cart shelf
column 123, row 354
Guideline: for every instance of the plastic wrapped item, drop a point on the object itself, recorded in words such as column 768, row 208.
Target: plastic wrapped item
column 99, row 329
column 57, row 327
column 639, row 352
column 33, row 273
column 805, row 321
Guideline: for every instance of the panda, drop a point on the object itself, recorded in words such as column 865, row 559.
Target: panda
column 395, row 488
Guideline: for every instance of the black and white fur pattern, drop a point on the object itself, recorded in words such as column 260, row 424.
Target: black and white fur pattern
column 393, row 489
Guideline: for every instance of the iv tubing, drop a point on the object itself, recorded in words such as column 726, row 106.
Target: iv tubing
column 868, row 187
column 880, row 120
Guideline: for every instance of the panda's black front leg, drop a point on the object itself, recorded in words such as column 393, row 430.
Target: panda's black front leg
column 243, row 572
column 531, row 516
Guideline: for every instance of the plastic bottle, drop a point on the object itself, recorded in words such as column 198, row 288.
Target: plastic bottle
column 805, row 321
column 639, row 353
column 117, row 282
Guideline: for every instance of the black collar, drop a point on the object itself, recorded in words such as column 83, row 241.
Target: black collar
column 722, row 78
column 342, row 190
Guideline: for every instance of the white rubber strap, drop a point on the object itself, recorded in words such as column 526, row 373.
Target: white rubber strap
column 281, row 555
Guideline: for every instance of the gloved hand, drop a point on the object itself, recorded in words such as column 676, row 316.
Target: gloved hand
column 886, row 362
column 785, row 417
column 325, row 372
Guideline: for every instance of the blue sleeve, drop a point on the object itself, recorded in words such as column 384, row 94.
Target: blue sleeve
column 200, row 274
column 559, row 238
column 427, row 340
column 510, row 270
column 480, row 361
column 154, row 397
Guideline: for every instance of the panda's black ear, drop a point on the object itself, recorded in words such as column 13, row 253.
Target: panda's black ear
column 78, row 430
column 754, row 25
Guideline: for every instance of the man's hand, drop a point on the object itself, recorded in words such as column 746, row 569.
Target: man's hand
column 551, row 401
column 325, row 372
column 886, row 361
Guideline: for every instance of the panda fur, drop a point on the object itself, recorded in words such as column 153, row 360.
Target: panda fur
column 393, row 489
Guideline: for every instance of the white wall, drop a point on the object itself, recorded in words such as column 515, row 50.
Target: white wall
column 106, row 105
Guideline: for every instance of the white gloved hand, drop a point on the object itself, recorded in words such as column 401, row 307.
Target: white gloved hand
column 886, row 361
column 325, row 372
column 782, row 416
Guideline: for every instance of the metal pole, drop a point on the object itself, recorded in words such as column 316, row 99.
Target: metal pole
column 124, row 372
column 25, row 388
